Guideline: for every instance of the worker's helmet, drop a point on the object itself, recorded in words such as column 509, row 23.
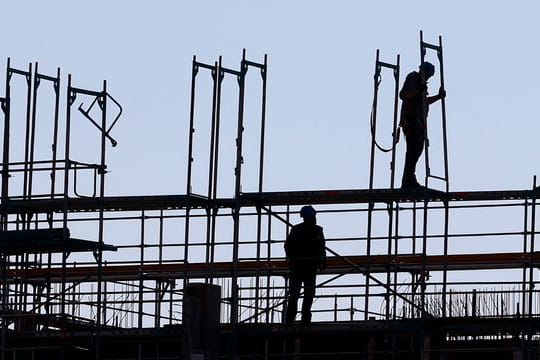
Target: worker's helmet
column 428, row 68
column 307, row 211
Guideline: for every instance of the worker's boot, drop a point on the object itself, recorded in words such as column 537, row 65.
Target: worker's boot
column 306, row 318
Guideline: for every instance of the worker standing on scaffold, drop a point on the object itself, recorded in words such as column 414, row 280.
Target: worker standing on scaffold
column 305, row 250
column 414, row 111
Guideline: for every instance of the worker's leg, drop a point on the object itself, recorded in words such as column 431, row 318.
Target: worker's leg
column 309, row 294
column 414, row 137
column 295, row 283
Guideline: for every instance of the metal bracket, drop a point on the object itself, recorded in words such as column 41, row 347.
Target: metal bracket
column 100, row 102
column 96, row 171
column 37, row 82
column 97, row 256
column 72, row 96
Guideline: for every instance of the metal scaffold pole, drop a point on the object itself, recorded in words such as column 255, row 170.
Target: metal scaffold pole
column 258, row 298
column 28, row 76
column 213, row 193
column 101, row 317
column 6, row 141
column 71, row 95
column 5, row 103
column 379, row 65
column 241, row 77
column 190, row 159
column 532, row 283
column 54, row 146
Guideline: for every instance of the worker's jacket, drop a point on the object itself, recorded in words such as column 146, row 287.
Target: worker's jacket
column 305, row 246
column 414, row 108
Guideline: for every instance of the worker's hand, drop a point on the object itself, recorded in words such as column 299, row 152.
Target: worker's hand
column 442, row 93
column 322, row 266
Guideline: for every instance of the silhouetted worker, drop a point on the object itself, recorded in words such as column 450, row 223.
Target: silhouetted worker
column 305, row 249
column 414, row 111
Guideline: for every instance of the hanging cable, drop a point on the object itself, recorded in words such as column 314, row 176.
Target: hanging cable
column 395, row 140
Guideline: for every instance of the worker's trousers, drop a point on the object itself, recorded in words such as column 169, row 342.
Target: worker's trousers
column 299, row 275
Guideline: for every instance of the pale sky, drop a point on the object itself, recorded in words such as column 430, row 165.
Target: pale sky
column 320, row 82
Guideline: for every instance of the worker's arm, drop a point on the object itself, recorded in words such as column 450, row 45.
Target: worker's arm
column 290, row 244
column 322, row 251
column 439, row 96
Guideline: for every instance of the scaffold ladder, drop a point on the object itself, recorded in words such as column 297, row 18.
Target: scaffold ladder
column 424, row 46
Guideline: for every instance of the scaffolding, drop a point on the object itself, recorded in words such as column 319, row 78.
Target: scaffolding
column 407, row 276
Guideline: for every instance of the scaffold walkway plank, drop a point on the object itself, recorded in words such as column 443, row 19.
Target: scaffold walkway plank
column 18, row 242
column 278, row 267
column 379, row 195
column 169, row 202
column 110, row 203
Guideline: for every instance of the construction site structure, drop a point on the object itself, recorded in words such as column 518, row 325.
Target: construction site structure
column 420, row 273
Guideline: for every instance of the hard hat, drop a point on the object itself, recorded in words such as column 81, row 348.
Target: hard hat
column 307, row 211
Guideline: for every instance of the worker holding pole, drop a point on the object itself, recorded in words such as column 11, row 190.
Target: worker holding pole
column 414, row 111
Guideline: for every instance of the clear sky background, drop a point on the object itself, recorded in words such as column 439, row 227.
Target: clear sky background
column 321, row 59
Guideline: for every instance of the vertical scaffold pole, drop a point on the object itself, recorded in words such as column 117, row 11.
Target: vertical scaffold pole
column 102, row 102
column 445, row 254
column 424, row 221
column 28, row 77
column 4, row 103
column 423, row 274
column 287, row 283
column 379, row 65
column 373, row 126
column 443, row 114
column 531, row 252
column 426, row 139
column 19, row 286
column 212, row 165
column 395, row 127
column 28, row 127
column 3, row 342
column 141, row 273
column 54, row 147
column 194, row 71
column 269, row 312
column 391, row 235
column 4, row 215
column 524, row 272
column 5, row 156
column 237, row 191
column 263, row 70
column 367, row 266
column 531, row 265
column 373, row 120
column 217, row 115
column 33, row 131
column 70, row 99
column 396, row 252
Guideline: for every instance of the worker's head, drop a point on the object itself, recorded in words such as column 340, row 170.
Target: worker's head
column 308, row 213
column 427, row 69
